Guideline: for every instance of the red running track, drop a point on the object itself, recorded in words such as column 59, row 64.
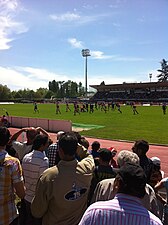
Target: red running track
column 154, row 150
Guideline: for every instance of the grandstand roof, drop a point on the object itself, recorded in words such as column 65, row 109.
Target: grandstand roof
column 124, row 86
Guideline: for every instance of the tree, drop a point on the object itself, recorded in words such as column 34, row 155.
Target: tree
column 5, row 92
column 163, row 76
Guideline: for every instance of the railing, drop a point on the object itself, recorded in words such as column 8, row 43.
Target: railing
column 47, row 124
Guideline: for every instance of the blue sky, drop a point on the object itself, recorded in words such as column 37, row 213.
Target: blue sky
column 41, row 40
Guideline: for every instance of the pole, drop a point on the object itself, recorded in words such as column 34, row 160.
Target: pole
column 86, row 77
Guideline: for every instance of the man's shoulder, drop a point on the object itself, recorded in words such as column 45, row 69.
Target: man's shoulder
column 49, row 174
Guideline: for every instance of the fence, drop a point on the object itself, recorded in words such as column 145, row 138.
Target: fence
column 47, row 124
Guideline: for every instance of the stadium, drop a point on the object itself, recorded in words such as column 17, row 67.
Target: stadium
column 151, row 92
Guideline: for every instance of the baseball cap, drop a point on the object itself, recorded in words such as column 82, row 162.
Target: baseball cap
column 156, row 161
column 134, row 179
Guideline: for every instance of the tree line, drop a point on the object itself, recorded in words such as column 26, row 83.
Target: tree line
column 56, row 89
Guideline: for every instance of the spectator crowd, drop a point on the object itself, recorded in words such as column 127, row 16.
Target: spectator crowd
column 71, row 181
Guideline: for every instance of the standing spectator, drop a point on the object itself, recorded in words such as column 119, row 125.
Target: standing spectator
column 34, row 164
column 141, row 148
column 105, row 191
column 113, row 161
column 103, row 171
column 22, row 148
column 95, row 151
column 62, row 190
column 11, row 182
column 4, row 121
column 53, row 155
column 126, row 207
column 157, row 173
column 163, row 184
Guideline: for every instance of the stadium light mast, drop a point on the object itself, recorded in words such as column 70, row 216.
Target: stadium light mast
column 150, row 76
column 85, row 53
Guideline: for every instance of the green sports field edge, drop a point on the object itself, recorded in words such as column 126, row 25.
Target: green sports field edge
column 150, row 124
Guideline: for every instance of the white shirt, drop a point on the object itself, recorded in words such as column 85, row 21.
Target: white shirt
column 33, row 164
column 21, row 148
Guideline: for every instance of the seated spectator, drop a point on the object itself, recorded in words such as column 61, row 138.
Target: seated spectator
column 62, row 190
column 104, row 189
column 11, row 182
column 126, row 207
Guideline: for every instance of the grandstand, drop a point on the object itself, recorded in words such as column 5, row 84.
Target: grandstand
column 152, row 92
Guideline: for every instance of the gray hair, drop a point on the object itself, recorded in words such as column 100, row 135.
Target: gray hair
column 126, row 156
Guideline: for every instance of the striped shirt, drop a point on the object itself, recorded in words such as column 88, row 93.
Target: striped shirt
column 10, row 173
column 122, row 210
column 34, row 164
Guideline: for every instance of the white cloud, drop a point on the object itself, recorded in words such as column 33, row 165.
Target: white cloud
column 65, row 17
column 75, row 43
column 99, row 55
column 8, row 26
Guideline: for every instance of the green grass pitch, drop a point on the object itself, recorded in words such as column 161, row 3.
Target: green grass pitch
column 150, row 124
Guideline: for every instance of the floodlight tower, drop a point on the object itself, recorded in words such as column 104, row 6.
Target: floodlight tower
column 150, row 76
column 85, row 53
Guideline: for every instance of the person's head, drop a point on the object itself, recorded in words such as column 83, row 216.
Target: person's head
column 78, row 136
column 59, row 134
column 40, row 142
column 140, row 147
column 105, row 155
column 113, row 151
column 4, row 136
column 31, row 134
column 126, row 156
column 67, row 143
column 131, row 180
column 95, row 146
column 84, row 142
column 156, row 162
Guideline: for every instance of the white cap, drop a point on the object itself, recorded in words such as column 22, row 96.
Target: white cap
column 156, row 161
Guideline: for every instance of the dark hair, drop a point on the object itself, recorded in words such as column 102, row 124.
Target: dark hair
column 79, row 137
column 84, row 142
column 39, row 140
column 4, row 136
column 95, row 145
column 31, row 134
column 105, row 154
column 68, row 142
column 141, row 144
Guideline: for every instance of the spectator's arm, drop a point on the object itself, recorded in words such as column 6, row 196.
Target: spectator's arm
column 40, row 129
column 159, row 185
column 17, row 134
column 20, row 189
